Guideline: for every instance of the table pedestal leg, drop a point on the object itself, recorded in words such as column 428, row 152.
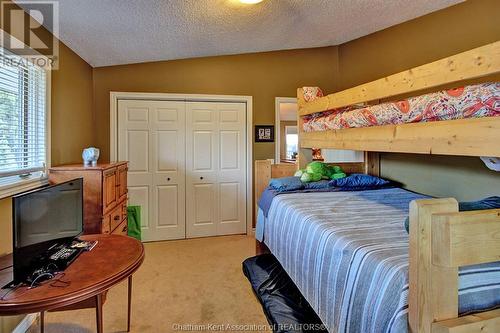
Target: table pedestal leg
column 98, row 313
column 42, row 321
column 129, row 302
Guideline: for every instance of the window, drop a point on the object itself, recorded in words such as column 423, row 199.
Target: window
column 291, row 142
column 23, row 124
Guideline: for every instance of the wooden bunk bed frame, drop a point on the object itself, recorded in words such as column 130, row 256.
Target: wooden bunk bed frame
column 441, row 238
column 469, row 137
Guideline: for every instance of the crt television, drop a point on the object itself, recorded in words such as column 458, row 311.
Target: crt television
column 44, row 219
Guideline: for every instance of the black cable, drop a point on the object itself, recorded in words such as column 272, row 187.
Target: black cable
column 33, row 283
column 54, row 283
column 58, row 280
column 9, row 291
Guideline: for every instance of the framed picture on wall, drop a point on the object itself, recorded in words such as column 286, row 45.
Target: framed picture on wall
column 264, row 133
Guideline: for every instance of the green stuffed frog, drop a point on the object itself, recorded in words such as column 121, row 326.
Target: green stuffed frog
column 316, row 171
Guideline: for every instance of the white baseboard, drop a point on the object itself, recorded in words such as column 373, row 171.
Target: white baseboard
column 26, row 323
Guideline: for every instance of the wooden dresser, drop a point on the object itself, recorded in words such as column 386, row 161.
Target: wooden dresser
column 104, row 194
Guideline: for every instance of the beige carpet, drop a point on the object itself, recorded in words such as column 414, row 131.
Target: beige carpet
column 186, row 282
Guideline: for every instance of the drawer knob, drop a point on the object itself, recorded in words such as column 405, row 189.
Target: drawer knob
column 168, row 178
column 116, row 218
column 201, row 178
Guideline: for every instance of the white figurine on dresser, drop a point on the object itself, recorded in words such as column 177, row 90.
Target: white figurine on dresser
column 90, row 156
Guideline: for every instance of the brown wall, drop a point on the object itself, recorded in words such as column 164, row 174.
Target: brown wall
column 71, row 131
column 261, row 75
column 267, row 75
column 422, row 40
column 72, row 126
column 425, row 39
column 5, row 226
column 76, row 87
column 71, row 122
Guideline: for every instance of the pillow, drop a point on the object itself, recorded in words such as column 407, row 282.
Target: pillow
column 286, row 184
column 317, row 185
column 486, row 203
column 359, row 182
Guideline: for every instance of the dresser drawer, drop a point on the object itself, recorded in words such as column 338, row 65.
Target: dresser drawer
column 121, row 182
column 124, row 209
column 106, row 224
column 109, row 189
column 116, row 217
column 122, row 229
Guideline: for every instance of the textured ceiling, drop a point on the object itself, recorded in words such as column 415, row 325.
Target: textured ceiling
column 112, row 32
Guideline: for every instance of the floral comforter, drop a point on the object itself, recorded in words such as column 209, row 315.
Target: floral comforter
column 474, row 101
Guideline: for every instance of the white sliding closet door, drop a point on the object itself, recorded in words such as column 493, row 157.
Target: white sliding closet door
column 151, row 136
column 215, row 168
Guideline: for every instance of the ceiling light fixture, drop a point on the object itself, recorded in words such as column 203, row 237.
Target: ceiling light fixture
column 250, row 2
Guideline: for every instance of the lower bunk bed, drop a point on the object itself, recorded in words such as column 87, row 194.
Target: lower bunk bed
column 348, row 254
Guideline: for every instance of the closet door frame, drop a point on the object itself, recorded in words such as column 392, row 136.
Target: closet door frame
column 113, row 139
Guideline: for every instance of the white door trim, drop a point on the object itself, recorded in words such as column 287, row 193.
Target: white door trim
column 277, row 136
column 113, row 121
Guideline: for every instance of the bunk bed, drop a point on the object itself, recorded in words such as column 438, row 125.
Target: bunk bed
column 469, row 137
column 430, row 260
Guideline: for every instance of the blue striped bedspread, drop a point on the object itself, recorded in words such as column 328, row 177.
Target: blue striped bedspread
column 347, row 252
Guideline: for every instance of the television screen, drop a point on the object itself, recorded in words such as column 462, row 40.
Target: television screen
column 44, row 218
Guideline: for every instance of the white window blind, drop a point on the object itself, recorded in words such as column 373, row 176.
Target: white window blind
column 22, row 119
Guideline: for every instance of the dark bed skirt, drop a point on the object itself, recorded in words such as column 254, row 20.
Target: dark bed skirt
column 283, row 304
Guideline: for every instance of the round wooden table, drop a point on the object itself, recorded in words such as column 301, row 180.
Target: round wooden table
column 114, row 259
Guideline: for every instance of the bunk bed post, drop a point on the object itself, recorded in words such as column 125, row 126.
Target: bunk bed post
column 433, row 294
column 305, row 154
column 372, row 163
column 264, row 171
column 262, row 176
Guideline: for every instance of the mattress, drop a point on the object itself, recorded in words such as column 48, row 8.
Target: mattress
column 347, row 252
column 474, row 101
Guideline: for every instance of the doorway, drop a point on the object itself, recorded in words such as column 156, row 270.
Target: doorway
column 286, row 113
column 286, row 145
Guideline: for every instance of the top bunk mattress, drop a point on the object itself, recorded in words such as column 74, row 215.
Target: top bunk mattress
column 347, row 252
column 474, row 101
